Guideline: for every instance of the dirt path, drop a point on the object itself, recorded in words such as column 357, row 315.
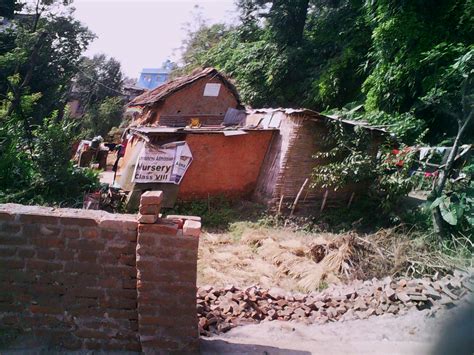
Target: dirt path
column 416, row 332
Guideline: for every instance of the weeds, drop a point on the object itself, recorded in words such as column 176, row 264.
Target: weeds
column 219, row 213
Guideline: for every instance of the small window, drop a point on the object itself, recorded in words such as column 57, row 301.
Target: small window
column 212, row 89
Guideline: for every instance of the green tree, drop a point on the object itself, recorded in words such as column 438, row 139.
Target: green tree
column 99, row 85
column 459, row 106
column 413, row 43
column 98, row 78
column 38, row 57
column 325, row 54
column 45, row 56
column 102, row 117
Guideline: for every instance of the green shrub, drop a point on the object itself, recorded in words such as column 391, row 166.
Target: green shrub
column 46, row 177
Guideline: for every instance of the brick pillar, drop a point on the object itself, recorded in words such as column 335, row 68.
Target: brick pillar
column 166, row 280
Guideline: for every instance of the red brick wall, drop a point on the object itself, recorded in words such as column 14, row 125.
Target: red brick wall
column 190, row 100
column 69, row 278
column 167, row 288
column 224, row 165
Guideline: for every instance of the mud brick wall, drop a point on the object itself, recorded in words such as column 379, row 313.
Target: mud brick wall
column 68, row 279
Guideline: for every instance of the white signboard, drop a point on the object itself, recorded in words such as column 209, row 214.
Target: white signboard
column 212, row 89
column 166, row 164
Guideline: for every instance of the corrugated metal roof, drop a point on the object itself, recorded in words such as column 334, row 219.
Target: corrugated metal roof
column 317, row 116
column 163, row 91
column 219, row 129
column 155, row 129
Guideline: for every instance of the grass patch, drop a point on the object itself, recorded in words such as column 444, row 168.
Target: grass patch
column 219, row 213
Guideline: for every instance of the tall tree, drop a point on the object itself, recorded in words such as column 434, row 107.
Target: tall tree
column 99, row 85
column 98, row 78
column 287, row 19
column 45, row 56
column 39, row 54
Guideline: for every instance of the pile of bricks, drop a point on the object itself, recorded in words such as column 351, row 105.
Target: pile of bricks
column 219, row 310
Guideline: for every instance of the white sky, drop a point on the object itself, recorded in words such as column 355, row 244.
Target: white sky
column 144, row 33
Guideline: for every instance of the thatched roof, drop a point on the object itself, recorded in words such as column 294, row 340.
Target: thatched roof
column 162, row 92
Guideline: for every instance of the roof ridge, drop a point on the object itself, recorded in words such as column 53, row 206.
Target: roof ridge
column 168, row 88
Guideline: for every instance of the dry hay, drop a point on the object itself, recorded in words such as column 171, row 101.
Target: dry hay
column 272, row 257
column 303, row 262
column 391, row 252
column 296, row 259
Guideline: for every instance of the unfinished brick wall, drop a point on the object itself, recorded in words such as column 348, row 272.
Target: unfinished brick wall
column 68, row 278
column 167, row 267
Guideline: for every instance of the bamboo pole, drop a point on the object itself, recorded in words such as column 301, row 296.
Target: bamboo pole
column 279, row 205
column 350, row 200
column 298, row 196
column 324, row 200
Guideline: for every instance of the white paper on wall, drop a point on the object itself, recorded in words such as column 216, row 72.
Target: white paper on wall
column 167, row 163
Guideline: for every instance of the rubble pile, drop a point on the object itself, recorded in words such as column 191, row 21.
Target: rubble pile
column 220, row 309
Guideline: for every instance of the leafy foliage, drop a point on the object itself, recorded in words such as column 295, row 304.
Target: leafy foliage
column 98, row 85
column 345, row 158
column 457, row 203
column 39, row 55
column 99, row 120
column 349, row 158
column 392, row 57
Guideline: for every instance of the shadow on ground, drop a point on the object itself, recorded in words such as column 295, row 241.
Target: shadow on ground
column 209, row 347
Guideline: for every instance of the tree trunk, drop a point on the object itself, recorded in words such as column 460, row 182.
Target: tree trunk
column 438, row 222
column 287, row 19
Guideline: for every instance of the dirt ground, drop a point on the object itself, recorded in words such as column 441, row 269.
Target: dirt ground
column 417, row 332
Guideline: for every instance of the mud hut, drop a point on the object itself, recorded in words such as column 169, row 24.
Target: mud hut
column 289, row 160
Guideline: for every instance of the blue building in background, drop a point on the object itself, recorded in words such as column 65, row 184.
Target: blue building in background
column 151, row 78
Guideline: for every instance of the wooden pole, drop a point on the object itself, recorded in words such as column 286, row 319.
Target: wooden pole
column 350, row 200
column 298, row 197
column 279, row 205
column 324, row 200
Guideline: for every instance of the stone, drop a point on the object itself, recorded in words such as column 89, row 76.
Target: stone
column 449, row 293
column 431, row 292
column 149, row 209
column 402, row 283
column 390, row 293
column 254, row 304
column 418, row 297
